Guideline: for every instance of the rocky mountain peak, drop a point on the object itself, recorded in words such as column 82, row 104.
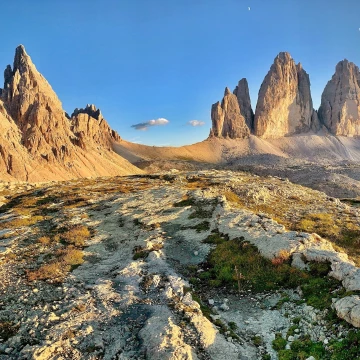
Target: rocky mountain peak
column 340, row 102
column 227, row 120
column 283, row 56
column 242, row 93
column 36, row 133
column 89, row 110
column 90, row 127
column 227, row 91
column 284, row 104
column 22, row 59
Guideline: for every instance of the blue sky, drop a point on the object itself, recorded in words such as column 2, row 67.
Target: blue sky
column 142, row 60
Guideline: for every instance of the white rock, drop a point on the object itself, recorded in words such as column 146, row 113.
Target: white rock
column 348, row 308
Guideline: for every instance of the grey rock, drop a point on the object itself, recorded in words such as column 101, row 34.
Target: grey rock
column 242, row 93
column 340, row 102
column 284, row 104
column 227, row 120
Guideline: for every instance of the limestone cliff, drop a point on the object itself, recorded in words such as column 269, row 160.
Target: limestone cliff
column 242, row 93
column 227, row 120
column 284, row 104
column 91, row 128
column 39, row 141
column 340, row 101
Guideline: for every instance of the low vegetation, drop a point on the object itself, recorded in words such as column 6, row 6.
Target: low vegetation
column 303, row 348
column 299, row 210
column 236, row 264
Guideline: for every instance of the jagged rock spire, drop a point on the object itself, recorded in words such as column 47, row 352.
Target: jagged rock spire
column 340, row 102
column 284, row 104
column 227, row 120
column 242, row 93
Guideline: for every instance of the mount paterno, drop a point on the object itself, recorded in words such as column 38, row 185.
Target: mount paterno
column 40, row 142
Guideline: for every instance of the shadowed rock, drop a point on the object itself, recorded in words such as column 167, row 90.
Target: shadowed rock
column 340, row 101
column 227, row 121
column 242, row 93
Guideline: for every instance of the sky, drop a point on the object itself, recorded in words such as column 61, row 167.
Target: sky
column 154, row 67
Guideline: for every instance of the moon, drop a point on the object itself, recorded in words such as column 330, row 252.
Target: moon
column 249, row 8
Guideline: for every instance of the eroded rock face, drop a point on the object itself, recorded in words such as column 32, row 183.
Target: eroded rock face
column 340, row 101
column 36, row 109
column 89, row 126
column 227, row 121
column 284, row 105
column 242, row 93
column 38, row 139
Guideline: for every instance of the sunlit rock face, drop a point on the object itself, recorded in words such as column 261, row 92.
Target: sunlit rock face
column 227, row 120
column 284, row 104
column 91, row 128
column 36, row 109
column 340, row 101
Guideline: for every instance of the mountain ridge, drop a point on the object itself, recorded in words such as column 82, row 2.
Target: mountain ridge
column 40, row 142
column 284, row 105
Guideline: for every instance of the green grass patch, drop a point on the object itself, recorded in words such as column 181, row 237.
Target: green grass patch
column 200, row 227
column 186, row 201
column 279, row 343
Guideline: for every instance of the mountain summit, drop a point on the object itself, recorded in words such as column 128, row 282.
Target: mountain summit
column 340, row 101
column 39, row 142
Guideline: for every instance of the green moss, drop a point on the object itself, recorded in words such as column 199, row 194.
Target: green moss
column 185, row 202
column 257, row 340
column 348, row 348
column 286, row 355
column 320, row 268
column 232, row 326
column 279, row 343
column 203, row 226
column 318, row 291
column 216, row 238
column 291, row 330
column 257, row 273
column 201, row 213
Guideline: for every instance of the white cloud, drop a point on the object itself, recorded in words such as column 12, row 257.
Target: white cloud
column 196, row 123
column 145, row 125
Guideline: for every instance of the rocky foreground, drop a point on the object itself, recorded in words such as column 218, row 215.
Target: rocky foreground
column 181, row 266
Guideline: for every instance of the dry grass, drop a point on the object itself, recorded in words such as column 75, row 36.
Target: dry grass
column 73, row 257
column 76, row 235
column 299, row 209
column 21, row 222
column 57, row 269
column 45, row 240
column 232, row 197
column 54, row 271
